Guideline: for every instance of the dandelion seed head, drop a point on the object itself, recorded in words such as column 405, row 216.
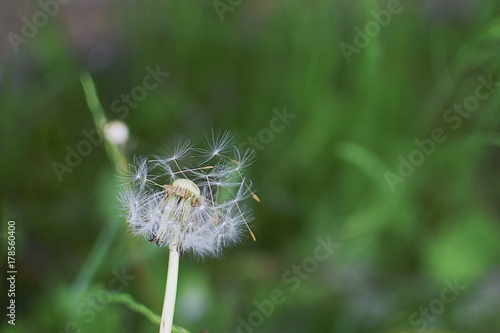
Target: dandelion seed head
column 190, row 198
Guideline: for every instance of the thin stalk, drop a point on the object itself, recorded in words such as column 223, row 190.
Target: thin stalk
column 103, row 243
column 167, row 314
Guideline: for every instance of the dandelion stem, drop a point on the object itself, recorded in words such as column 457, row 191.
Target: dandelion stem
column 167, row 315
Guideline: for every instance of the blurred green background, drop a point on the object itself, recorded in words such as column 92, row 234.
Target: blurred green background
column 233, row 65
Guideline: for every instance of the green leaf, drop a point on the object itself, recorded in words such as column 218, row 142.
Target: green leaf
column 132, row 304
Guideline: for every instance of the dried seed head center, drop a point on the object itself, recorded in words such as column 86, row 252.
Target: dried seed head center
column 184, row 189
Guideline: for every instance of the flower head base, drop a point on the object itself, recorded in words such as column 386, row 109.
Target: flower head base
column 196, row 209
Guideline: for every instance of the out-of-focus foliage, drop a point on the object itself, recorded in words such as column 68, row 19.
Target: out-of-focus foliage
column 321, row 173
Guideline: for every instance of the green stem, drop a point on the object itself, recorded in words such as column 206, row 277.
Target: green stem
column 167, row 315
